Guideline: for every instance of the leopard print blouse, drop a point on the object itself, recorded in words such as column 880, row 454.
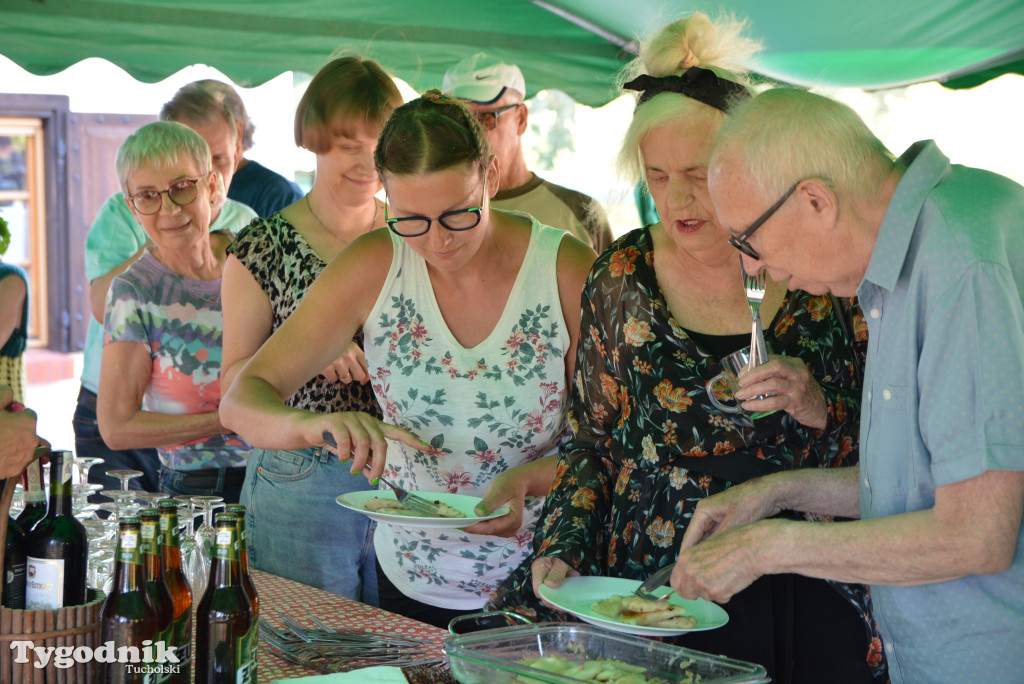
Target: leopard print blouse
column 284, row 266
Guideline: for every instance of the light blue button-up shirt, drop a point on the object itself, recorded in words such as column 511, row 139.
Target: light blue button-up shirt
column 944, row 402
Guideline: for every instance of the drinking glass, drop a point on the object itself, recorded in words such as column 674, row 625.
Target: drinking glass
column 83, row 464
column 206, row 534
column 124, row 476
column 193, row 559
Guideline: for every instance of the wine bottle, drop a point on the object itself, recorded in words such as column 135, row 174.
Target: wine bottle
column 35, row 496
column 224, row 616
column 181, row 592
column 57, row 548
column 127, row 616
column 14, row 566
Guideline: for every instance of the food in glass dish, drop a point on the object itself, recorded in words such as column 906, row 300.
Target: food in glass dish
column 633, row 610
column 395, row 507
column 599, row 670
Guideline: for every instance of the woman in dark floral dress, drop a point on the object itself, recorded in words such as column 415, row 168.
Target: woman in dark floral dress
column 661, row 306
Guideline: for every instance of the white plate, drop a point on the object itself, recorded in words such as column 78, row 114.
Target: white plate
column 354, row 502
column 576, row 594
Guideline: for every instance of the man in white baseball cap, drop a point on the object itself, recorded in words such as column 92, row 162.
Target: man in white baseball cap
column 494, row 90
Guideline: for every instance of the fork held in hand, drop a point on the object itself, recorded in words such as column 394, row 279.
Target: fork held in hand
column 754, row 288
column 404, row 496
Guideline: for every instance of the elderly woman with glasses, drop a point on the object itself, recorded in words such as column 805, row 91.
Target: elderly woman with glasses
column 661, row 307
column 470, row 319
column 160, row 376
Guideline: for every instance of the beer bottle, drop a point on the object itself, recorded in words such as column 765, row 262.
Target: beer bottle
column 35, row 497
column 156, row 586
column 181, row 593
column 14, row 566
column 224, row 616
column 127, row 616
column 247, row 584
column 57, row 548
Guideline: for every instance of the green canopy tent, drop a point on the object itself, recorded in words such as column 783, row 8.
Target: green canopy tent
column 573, row 45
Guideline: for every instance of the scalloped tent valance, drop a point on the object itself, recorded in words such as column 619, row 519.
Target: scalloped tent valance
column 573, row 45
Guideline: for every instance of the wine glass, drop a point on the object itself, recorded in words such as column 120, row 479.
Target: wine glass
column 82, row 509
column 83, row 464
column 149, row 498
column 206, row 534
column 192, row 557
column 122, row 499
column 124, row 476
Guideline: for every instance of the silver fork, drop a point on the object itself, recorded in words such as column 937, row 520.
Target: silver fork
column 653, row 582
column 754, row 288
column 404, row 496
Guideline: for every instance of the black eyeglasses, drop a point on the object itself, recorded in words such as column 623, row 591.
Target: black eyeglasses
column 458, row 220
column 740, row 241
column 490, row 119
column 149, row 202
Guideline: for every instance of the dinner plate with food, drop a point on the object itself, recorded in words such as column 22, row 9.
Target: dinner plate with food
column 456, row 510
column 609, row 602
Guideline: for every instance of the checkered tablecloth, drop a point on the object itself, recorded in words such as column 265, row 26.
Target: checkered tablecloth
column 279, row 595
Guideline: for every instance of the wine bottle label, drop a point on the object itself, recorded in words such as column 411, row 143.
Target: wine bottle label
column 44, row 583
column 14, row 585
column 34, row 480
column 65, row 471
column 150, row 540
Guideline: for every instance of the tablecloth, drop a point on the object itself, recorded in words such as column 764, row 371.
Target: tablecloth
column 280, row 595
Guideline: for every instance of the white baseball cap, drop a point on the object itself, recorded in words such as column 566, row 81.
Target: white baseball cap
column 482, row 79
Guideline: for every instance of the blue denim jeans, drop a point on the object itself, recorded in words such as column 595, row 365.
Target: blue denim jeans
column 225, row 482
column 296, row 529
column 89, row 443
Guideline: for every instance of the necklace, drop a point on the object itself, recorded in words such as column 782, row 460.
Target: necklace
column 373, row 220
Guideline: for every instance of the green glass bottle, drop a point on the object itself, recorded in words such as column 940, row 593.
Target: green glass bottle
column 57, row 548
column 127, row 616
column 224, row 615
column 247, row 584
column 181, row 592
column 156, row 586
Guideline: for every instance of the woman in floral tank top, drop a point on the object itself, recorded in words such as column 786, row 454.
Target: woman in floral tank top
column 470, row 318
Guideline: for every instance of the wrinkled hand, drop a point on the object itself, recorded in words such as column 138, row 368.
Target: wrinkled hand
column 506, row 488
column 794, row 388
column 18, row 439
column 743, row 504
column 550, row 571
column 719, row 568
column 358, row 437
column 349, row 367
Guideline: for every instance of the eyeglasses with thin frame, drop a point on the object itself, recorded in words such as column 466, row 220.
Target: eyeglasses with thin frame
column 740, row 241
column 182, row 193
column 489, row 120
column 458, row 220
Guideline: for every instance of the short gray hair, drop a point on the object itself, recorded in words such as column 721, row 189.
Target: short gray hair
column 787, row 134
column 161, row 143
column 201, row 103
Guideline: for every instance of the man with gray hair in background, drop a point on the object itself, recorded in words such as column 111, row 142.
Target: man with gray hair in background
column 494, row 92
column 935, row 253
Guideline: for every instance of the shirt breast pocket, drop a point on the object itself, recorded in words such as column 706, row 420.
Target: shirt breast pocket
column 887, row 462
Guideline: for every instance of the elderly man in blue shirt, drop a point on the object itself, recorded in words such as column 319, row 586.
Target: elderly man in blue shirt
column 935, row 252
